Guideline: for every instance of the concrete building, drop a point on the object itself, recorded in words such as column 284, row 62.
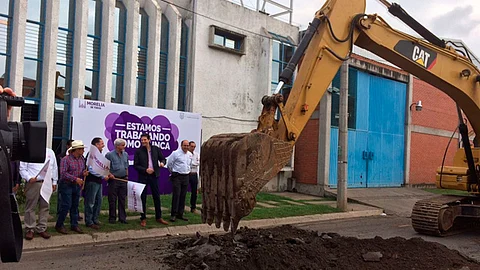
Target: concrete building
column 211, row 57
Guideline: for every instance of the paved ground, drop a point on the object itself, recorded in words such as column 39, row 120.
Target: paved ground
column 142, row 254
column 394, row 201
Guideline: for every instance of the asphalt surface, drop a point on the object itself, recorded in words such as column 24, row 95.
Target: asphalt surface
column 149, row 253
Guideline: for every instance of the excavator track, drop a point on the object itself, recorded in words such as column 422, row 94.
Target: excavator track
column 437, row 216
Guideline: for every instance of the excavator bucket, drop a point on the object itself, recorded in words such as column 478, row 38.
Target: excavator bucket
column 233, row 169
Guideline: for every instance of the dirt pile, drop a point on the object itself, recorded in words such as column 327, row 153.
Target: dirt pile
column 287, row 247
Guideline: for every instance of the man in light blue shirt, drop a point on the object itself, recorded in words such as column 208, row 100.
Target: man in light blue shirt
column 179, row 165
column 93, row 191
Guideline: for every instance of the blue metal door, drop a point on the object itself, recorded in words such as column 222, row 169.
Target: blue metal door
column 356, row 167
column 386, row 132
column 376, row 138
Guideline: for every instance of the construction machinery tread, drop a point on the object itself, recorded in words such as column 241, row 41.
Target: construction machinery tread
column 426, row 215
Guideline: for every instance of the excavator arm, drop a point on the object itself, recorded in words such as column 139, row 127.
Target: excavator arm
column 234, row 167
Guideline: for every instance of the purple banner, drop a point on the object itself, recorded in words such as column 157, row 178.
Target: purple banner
column 130, row 127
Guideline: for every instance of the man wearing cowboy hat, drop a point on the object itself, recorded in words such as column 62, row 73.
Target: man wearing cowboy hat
column 72, row 171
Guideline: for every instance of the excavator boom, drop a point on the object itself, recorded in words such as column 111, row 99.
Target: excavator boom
column 234, row 167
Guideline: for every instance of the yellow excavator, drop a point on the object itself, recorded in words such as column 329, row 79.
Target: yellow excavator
column 234, row 167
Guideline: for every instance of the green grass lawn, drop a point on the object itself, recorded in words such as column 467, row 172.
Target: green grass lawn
column 446, row 191
column 283, row 209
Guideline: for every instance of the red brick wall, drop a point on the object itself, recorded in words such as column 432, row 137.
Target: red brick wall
column 426, row 151
column 306, row 154
column 426, row 155
column 439, row 111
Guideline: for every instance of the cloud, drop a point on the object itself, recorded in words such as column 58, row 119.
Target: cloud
column 458, row 23
column 445, row 19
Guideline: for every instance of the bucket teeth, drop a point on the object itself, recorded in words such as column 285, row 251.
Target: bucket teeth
column 233, row 169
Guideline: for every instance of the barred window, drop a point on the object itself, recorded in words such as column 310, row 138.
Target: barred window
column 33, row 58
column 63, row 75
column 162, row 82
column 142, row 58
column 120, row 25
column 182, row 89
column 92, row 79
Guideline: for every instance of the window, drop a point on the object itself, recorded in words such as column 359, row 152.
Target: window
column 182, row 88
column 92, row 79
column 142, row 58
column 63, row 76
column 162, row 80
column 227, row 40
column 120, row 24
column 32, row 76
column 282, row 51
column 5, row 41
column 352, row 98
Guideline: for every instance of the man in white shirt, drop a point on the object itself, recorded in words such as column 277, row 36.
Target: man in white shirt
column 30, row 172
column 193, row 177
column 179, row 165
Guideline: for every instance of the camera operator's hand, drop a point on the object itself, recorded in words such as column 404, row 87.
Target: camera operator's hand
column 11, row 93
column 32, row 180
column 79, row 181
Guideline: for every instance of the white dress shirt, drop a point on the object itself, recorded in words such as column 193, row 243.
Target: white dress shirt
column 195, row 162
column 30, row 170
column 179, row 162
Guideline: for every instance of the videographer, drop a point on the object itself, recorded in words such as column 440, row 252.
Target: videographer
column 10, row 92
column 19, row 141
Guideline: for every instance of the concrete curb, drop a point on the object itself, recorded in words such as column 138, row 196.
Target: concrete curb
column 96, row 238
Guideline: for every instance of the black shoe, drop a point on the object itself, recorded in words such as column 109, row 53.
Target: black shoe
column 182, row 218
column 123, row 221
column 112, row 221
column 173, row 219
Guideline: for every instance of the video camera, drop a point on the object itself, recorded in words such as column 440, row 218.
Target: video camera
column 24, row 141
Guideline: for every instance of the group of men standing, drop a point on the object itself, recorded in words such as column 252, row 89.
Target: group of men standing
column 182, row 164
column 73, row 176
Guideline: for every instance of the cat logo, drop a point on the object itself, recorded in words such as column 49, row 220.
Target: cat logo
column 420, row 56
column 417, row 53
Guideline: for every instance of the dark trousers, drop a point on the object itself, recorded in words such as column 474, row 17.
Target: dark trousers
column 152, row 181
column 70, row 193
column 117, row 190
column 180, row 185
column 193, row 179
column 59, row 202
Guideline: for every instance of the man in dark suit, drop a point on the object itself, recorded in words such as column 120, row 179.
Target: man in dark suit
column 147, row 161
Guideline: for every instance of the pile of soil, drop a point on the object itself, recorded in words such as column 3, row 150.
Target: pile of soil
column 287, row 247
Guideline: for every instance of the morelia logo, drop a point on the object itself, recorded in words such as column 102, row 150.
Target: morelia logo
column 417, row 53
column 93, row 104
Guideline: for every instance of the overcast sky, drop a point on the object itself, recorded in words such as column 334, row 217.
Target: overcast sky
column 459, row 19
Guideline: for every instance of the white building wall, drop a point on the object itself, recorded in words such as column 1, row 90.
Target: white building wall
column 226, row 84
